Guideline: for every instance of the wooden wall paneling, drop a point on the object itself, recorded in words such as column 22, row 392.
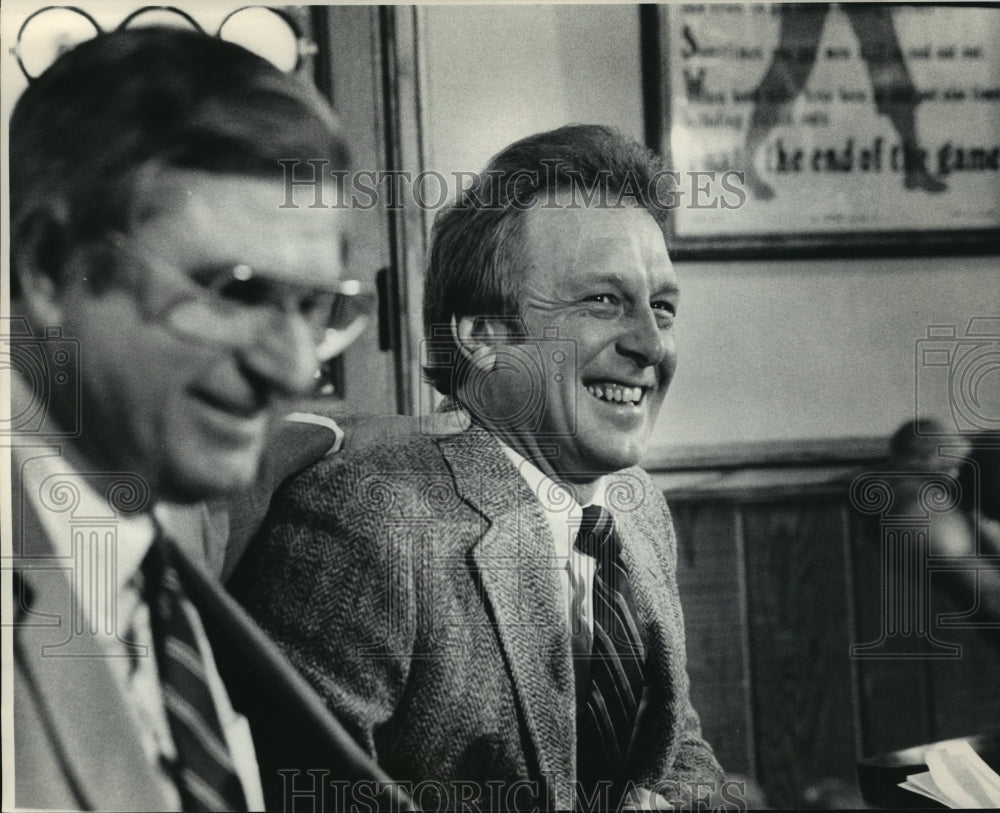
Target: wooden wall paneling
column 919, row 699
column 711, row 581
column 777, row 587
column 894, row 692
column 797, row 589
column 966, row 690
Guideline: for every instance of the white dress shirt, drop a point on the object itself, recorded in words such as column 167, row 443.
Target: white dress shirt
column 118, row 618
column 564, row 514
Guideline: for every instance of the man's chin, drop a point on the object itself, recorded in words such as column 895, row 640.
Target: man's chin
column 612, row 452
column 590, row 467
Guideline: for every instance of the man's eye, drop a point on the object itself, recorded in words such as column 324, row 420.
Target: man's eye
column 318, row 306
column 315, row 303
column 666, row 312
column 602, row 299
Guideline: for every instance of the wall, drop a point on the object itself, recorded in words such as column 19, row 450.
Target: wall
column 779, row 584
column 770, row 351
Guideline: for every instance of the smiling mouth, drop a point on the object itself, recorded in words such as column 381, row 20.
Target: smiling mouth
column 617, row 393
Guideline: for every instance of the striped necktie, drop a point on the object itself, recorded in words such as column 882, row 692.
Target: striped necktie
column 204, row 770
column 606, row 714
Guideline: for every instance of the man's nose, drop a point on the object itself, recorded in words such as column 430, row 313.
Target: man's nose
column 643, row 339
column 283, row 354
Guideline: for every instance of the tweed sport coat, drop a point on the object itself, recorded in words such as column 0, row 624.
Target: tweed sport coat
column 415, row 586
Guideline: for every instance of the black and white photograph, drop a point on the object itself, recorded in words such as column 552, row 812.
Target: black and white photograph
column 499, row 406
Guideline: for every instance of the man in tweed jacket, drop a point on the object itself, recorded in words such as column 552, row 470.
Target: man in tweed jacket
column 428, row 588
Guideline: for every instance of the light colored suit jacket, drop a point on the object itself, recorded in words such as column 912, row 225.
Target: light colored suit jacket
column 75, row 744
column 415, row 587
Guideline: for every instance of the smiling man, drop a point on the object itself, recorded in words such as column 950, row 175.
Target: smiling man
column 495, row 615
column 167, row 311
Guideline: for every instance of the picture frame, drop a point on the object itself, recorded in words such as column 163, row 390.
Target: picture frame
column 826, row 129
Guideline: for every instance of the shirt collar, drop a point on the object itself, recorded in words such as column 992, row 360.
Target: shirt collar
column 561, row 508
column 134, row 533
column 552, row 495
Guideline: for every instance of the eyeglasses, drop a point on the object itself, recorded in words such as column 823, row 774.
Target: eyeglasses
column 270, row 33
column 235, row 305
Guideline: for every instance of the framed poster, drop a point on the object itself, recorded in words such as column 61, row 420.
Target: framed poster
column 857, row 128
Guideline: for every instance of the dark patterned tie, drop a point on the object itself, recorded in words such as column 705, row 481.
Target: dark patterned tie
column 204, row 771
column 606, row 714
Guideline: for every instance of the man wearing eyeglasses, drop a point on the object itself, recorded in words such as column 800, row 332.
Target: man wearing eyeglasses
column 166, row 312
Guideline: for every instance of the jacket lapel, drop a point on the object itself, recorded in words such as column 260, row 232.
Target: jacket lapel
column 516, row 565
column 86, row 710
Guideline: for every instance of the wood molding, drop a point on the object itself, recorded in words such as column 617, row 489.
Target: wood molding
column 764, row 471
column 781, row 453
column 756, row 484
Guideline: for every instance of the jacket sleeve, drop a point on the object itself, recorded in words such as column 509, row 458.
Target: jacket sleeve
column 329, row 577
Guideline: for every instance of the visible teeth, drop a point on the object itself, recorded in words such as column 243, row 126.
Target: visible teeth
column 616, row 393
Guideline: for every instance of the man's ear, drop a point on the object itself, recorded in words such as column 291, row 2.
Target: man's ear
column 40, row 249
column 477, row 338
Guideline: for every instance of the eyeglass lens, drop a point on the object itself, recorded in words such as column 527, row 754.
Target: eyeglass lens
column 49, row 32
column 238, row 311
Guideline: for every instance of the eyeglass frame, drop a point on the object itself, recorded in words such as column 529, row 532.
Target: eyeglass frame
column 304, row 46
column 341, row 290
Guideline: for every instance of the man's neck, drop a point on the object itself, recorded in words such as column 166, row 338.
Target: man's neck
column 83, row 452
column 544, row 456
